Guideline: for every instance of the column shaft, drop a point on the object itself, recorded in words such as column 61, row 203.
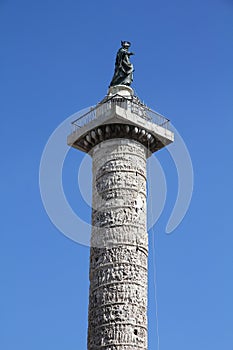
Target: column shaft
column 119, row 247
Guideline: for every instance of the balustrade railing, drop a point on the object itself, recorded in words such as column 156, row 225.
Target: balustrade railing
column 134, row 105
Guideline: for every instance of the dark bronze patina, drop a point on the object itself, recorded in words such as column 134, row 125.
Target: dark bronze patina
column 123, row 74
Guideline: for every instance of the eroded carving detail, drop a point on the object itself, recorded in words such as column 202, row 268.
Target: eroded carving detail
column 118, row 235
column 126, row 254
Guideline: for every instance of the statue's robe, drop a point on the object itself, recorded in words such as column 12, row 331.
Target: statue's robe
column 123, row 74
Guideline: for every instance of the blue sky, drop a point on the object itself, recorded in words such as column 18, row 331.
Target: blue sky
column 57, row 57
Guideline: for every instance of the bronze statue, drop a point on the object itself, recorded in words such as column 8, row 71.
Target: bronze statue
column 123, row 74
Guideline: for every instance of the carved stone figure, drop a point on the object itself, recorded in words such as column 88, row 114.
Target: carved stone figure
column 123, row 74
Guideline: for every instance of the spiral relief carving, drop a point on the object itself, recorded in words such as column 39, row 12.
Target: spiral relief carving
column 119, row 247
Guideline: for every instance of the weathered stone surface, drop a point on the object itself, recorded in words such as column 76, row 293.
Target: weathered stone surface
column 119, row 247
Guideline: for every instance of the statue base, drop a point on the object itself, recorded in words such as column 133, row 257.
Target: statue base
column 122, row 90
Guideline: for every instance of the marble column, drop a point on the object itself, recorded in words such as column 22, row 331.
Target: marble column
column 117, row 317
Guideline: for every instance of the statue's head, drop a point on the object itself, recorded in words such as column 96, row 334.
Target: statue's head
column 125, row 44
